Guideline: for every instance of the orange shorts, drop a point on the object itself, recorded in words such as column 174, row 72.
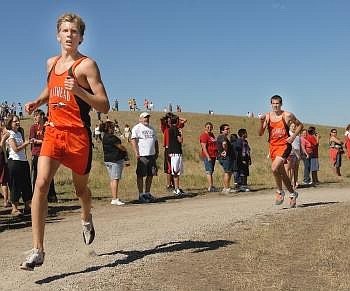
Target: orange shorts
column 71, row 147
column 280, row 151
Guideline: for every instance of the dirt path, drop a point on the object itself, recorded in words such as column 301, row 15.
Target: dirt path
column 172, row 245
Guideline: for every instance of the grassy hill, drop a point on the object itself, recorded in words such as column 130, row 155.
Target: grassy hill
column 194, row 180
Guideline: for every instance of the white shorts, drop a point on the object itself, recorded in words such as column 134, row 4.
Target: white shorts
column 176, row 164
column 115, row 169
column 315, row 165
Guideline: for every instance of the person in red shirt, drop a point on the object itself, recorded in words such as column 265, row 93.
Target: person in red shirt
column 209, row 153
column 347, row 141
column 278, row 121
column 36, row 136
column 74, row 86
column 314, row 138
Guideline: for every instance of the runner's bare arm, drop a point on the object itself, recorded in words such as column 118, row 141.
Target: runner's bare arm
column 263, row 124
column 88, row 76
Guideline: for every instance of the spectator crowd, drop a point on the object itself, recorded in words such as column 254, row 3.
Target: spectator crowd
column 230, row 149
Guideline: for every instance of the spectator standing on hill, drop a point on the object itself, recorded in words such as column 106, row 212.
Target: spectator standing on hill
column 145, row 145
column 245, row 160
column 209, row 153
column 116, row 105
column 225, row 156
column 127, row 132
column 4, row 175
column 115, row 157
column 347, row 141
column 306, row 151
column 36, row 136
column 74, row 86
column 314, row 138
column 277, row 122
column 18, row 166
column 175, row 154
column 20, row 110
column 335, row 151
column 165, row 123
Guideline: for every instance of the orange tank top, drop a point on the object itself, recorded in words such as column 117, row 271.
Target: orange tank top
column 65, row 108
column 278, row 132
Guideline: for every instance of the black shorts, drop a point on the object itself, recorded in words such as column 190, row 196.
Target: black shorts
column 146, row 166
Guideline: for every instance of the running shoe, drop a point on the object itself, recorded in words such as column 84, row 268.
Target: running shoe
column 279, row 197
column 88, row 230
column 117, row 202
column 35, row 259
column 293, row 199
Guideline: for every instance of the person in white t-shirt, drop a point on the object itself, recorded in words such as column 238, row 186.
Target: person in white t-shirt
column 18, row 166
column 145, row 145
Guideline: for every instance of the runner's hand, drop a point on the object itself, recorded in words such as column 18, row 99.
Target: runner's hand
column 30, row 107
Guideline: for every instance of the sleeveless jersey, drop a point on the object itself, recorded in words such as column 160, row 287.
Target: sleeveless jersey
column 278, row 132
column 66, row 109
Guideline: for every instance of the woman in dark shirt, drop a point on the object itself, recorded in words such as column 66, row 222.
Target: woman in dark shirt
column 115, row 157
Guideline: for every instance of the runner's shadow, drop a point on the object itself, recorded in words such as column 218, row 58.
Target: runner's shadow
column 304, row 205
column 134, row 255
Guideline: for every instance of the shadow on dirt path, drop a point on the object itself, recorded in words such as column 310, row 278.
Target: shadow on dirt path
column 134, row 255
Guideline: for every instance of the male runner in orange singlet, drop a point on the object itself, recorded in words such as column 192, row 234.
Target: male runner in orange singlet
column 278, row 121
column 74, row 86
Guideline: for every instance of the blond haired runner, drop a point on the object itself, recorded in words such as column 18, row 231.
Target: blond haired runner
column 74, row 86
column 278, row 122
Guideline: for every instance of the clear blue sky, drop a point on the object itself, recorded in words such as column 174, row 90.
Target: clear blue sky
column 226, row 55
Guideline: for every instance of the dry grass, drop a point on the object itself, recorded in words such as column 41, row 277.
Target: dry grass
column 194, row 179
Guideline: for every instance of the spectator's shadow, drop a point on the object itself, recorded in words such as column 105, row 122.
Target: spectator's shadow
column 8, row 222
column 134, row 255
column 166, row 198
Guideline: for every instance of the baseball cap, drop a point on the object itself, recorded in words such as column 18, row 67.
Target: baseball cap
column 144, row 114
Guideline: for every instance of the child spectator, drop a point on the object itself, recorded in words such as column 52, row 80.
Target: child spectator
column 175, row 154
column 244, row 160
column 236, row 158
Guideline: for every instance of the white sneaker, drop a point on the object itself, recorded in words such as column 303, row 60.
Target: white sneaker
column 35, row 259
column 228, row 190
column 88, row 230
column 179, row 192
column 117, row 202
